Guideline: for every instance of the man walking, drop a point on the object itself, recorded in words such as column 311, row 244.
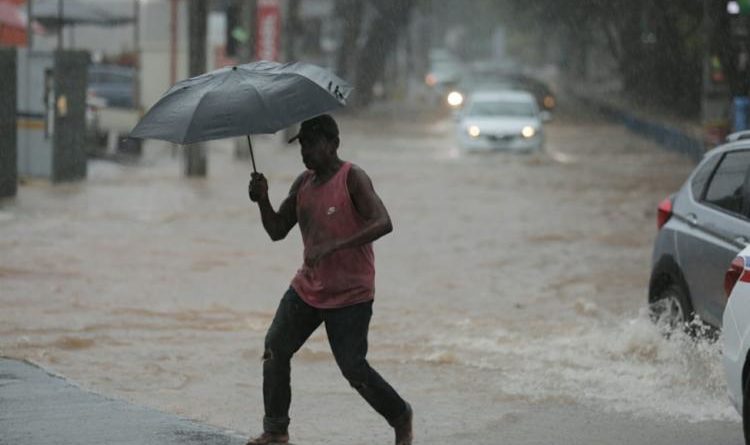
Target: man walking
column 339, row 216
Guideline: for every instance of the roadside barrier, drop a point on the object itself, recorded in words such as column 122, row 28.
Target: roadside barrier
column 667, row 136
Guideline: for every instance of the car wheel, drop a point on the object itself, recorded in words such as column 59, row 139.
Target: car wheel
column 671, row 308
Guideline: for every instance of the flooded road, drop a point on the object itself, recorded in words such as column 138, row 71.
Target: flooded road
column 512, row 289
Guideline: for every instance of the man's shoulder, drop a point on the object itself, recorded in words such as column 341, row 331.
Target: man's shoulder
column 301, row 178
column 356, row 169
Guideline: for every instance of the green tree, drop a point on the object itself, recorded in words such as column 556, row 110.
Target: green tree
column 657, row 46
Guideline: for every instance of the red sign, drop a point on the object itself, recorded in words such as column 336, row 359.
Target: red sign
column 269, row 30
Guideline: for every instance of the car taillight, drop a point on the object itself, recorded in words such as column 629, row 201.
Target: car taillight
column 663, row 212
column 734, row 273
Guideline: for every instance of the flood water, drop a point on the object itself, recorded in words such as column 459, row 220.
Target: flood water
column 508, row 279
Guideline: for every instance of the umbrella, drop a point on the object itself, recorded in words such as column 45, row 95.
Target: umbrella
column 256, row 98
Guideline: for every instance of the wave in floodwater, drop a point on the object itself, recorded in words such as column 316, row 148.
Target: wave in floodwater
column 626, row 365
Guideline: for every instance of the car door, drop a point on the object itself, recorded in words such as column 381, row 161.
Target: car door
column 718, row 228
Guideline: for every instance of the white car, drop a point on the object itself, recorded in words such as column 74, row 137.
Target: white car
column 501, row 120
column 736, row 335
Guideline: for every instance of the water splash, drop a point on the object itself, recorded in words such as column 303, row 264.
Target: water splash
column 630, row 365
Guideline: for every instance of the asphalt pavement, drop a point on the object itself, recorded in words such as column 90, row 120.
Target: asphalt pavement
column 37, row 408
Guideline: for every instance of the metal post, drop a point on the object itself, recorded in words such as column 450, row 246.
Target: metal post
column 245, row 54
column 8, row 149
column 248, row 14
column 137, row 51
column 60, row 22
column 291, row 28
column 288, row 37
column 29, row 27
column 195, row 154
column 173, row 18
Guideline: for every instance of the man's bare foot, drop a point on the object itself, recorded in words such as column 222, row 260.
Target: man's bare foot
column 269, row 439
column 403, row 431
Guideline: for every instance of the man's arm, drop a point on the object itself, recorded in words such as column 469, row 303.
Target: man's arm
column 277, row 224
column 369, row 206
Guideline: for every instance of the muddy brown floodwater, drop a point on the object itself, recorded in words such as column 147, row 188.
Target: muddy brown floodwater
column 508, row 281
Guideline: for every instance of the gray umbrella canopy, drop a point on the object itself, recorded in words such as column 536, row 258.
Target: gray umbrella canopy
column 255, row 98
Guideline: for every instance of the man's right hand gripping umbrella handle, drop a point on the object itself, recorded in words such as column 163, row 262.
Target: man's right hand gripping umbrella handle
column 258, row 187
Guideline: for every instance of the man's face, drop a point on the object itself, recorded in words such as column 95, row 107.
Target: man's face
column 314, row 150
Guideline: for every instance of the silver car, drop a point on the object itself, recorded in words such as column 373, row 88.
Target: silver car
column 501, row 120
column 702, row 227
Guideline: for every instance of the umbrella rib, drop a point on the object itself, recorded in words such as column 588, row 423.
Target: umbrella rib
column 266, row 108
column 200, row 101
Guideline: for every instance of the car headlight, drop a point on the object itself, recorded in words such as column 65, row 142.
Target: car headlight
column 473, row 131
column 528, row 132
column 455, row 99
column 549, row 102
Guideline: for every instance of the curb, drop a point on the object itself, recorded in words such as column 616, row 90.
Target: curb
column 667, row 136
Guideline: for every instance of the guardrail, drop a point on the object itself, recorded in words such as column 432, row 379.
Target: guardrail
column 667, row 136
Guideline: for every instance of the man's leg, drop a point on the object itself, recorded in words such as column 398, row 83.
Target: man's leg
column 292, row 325
column 347, row 330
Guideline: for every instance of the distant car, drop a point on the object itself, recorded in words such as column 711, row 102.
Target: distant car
column 111, row 92
column 484, row 77
column 736, row 336
column 544, row 96
column 701, row 229
column 500, row 120
column 112, row 85
column 444, row 72
column 456, row 95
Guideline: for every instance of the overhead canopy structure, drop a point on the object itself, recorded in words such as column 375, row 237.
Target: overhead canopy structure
column 54, row 13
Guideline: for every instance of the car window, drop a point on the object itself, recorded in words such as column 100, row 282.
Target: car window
column 100, row 76
column 701, row 177
column 729, row 188
column 514, row 109
column 121, row 78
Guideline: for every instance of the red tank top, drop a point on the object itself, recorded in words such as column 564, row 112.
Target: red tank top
column 326, row 212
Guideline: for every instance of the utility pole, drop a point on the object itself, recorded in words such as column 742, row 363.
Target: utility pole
column 248, row 16
column 291, row 28
column 196, row 163
column 29, row 25
column 716, row 100
column 248, row 11
column 60, row 22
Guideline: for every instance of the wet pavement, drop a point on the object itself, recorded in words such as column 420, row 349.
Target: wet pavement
column 38, row 408
column 509, row 301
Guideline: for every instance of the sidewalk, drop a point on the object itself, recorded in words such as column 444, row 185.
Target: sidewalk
column 37, row 408
column 682, row 135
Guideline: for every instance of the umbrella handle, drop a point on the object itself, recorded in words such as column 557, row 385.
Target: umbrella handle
column 252, row 157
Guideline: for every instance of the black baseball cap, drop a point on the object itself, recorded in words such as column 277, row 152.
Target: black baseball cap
column 319, row 125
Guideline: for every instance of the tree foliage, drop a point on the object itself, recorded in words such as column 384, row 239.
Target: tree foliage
column 365, row 63
column 657, row 47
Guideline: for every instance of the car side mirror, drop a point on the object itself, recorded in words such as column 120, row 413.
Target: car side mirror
column 546, row 116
